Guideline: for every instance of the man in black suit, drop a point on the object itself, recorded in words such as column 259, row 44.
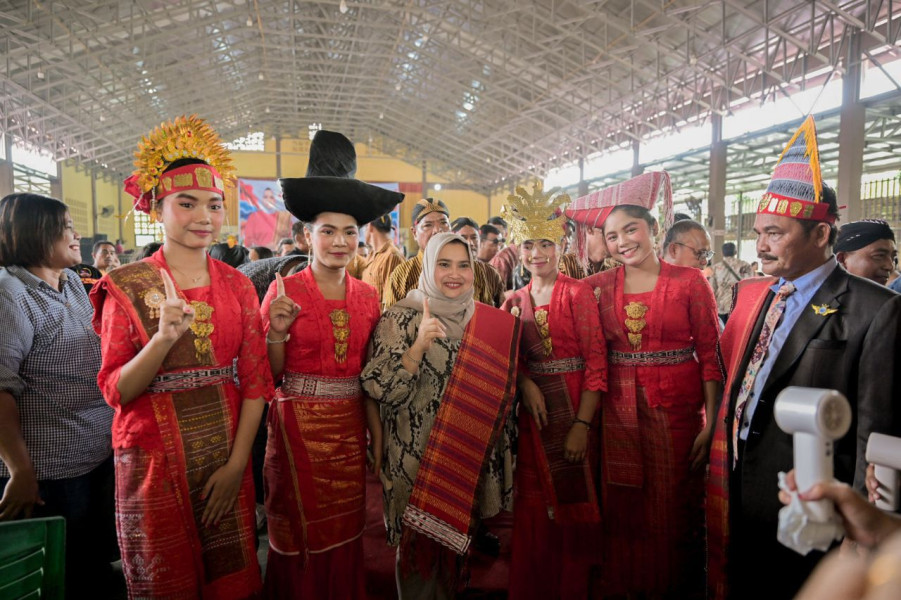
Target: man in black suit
column 833, row 330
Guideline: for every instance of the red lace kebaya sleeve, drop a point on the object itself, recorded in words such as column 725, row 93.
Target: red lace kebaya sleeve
column 590, row 336
column 705, row 329
column 264, row 308
column 254, row 373
column 119, row 343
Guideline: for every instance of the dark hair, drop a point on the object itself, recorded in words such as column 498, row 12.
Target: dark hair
column 681, row 217
column 461, row 222
column 100, row 243
column 497, row 221
column 233, row 256
column 296, row 229
column 830, row 199
column 729, row 249
column 636, row 212
column 678, row 228
column 29, row 226
column 484, row 230
column 263, row 252
column 150, row 249
column 286, row 241
column 382, row 224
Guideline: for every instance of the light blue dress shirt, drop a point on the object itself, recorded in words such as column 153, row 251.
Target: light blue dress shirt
column 805, row 287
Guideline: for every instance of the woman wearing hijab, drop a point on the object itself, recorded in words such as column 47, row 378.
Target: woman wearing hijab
column 171, row 328
column 563, row 373
column 318, row 324
column 443, row 369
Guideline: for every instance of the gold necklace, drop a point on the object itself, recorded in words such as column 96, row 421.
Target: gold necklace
column 193, row 279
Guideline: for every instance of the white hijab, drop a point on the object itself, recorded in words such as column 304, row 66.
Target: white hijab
column 454, row 313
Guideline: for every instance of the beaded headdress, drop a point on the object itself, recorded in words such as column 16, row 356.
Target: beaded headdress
column 796, row 189
column 535, row 216
column 185, row 137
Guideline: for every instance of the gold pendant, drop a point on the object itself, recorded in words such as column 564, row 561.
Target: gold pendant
column 635, row 323
column 545, row 330
column 341, row 331
column 154, row 298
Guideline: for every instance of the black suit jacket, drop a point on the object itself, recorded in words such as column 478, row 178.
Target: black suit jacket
column 855, row 350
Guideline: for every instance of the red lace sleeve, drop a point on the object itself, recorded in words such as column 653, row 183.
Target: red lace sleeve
column 264, row 308
column 254, row 373
column 705, row 328
column 590, row 336
column 119, row 343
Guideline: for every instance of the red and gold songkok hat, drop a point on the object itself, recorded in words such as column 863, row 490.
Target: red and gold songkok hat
column 535, row 216
column 796, row 189
column 592, row 210
column 185, row 137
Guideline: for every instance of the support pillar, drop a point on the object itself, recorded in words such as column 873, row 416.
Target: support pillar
column 637, row 169
column 583, row 185
column 851, row 136
column 6, row 168
column 716, row 195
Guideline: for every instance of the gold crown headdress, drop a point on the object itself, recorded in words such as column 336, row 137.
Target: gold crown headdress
column 535, row 216
column 184, row 137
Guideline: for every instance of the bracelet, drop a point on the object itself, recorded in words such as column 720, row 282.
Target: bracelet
column 282, row 341
column 408, row 355
column 583, row 422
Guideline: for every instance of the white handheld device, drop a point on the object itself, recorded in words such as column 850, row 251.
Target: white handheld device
column 815, row 418
column 884, row 451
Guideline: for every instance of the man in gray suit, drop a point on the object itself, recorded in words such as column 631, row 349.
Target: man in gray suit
column 810, row 323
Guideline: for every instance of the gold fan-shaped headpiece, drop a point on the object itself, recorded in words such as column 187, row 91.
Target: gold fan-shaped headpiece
column 535, row 216
column 184, row 137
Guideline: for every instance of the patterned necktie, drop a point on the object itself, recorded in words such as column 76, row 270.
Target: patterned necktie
column 773, row 314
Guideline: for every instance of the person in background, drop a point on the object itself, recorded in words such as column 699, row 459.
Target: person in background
column 867, row 249
column 489, row 242
column 726, row 273
column 687, row 244
column 468, row 229
column 318, row 324
column 501, row 225
column 562, row 373
column 301, row 245
column 149, row 249
column 385, row 258
column 120, row 249
column 233, row 256
column 285, row 246
column 260, row 253
column 105, row 257
column 658, row 418
column 431, row 217
column 442, row 367
column 363, row 250
column 184, row 365
column 55, row 440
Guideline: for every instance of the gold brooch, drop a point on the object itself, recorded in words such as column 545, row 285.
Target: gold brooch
column 515, row 311
column 201, row 327
column 635, row 323
column 154, row 298
column 545, row 331
column 340, row 320
column 597, row 294
column 823, row 309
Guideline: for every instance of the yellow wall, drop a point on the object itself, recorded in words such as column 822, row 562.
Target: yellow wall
column 76, row 185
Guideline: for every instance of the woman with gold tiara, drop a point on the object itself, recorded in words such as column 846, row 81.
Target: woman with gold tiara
column 171, row 327
column 661, row 325
column 562, row 374
column 318, row 324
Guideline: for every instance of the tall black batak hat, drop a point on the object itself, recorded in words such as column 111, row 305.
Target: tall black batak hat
column 330, row 187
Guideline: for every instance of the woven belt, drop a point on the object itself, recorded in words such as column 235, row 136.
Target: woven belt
column 647, row 359
column 560, row 365
column 338, row 388
column 190, row 380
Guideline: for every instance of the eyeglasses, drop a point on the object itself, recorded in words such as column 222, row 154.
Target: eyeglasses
column 700, row 254
column 490, row 241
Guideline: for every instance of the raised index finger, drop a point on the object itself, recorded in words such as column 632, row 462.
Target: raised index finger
column 425, row 309
column 169, row 285
column 279, row 285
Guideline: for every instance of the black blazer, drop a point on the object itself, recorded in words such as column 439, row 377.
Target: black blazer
column 855, row 350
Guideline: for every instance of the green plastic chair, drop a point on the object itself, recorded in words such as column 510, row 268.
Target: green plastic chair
column 33, row 558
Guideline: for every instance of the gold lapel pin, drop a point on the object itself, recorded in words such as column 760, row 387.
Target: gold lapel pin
column 823, row 309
